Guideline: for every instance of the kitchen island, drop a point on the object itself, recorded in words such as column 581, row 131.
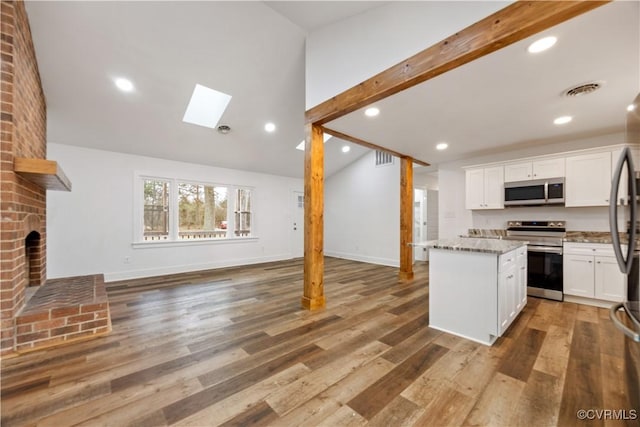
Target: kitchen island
column 477, row 287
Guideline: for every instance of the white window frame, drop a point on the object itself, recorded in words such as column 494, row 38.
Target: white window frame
column 174, row 240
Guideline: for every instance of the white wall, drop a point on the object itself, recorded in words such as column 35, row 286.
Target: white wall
column 350, row 51
column 362, row 212
column 90, row 229
column 456, row 220
column 428, row 180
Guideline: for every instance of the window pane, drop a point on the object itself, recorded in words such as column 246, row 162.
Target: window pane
column 203, row 211
column 243, row 212
column 156, row 210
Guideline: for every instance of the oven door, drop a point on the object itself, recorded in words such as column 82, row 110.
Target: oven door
column 544, row 277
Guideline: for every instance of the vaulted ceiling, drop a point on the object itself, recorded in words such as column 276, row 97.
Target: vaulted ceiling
column 254, row 51
column 245, row 49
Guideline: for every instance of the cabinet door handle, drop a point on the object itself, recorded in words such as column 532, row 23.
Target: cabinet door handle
column 598, row 262
column 590, row 262
column 510, row 276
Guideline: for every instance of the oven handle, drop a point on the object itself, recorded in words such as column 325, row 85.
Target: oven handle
column 546, row 249
column 618, row 324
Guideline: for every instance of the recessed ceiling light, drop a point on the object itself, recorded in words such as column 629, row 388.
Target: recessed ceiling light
column 325, row 138
column 371, row 112
column 346, row 148
column 123, row 84
column 542, row 44
column 631, row 107
column 206, row 107
column 270, row 127
column 562, row 120
column 442, row 146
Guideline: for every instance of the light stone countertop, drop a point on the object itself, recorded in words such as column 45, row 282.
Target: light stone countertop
column 471, row 244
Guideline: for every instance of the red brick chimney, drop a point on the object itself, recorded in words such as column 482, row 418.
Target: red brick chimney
column 22, row 203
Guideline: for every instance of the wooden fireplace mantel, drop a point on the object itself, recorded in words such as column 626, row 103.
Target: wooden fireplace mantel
column 45, row 173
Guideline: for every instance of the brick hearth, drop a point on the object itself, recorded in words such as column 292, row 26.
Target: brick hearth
column 64, row 310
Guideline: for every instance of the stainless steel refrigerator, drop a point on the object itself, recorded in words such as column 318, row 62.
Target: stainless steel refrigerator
column 626, row 315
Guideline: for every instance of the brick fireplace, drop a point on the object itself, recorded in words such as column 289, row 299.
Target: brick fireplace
column 22, row 203
column 62, row 310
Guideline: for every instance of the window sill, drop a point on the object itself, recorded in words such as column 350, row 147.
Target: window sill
column 194, row 242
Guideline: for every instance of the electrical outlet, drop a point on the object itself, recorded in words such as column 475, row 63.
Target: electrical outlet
column 127, row 260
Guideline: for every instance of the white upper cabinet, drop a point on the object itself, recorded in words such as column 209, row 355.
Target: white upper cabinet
column 484, row 188
column 550, row 168
column 588, row 179
column 518, row 172
column 622, row 189
column 538, row 169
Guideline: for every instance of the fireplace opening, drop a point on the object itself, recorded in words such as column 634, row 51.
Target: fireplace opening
column 33, row 259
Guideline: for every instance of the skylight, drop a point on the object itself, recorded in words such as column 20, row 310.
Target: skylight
column 301, row 145
column 206, row 107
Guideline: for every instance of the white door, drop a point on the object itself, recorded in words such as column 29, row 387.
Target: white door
column 419, row 223
column 297, row 224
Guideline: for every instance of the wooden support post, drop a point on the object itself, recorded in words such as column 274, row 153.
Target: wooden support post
column 313, row 297
column 406, row 218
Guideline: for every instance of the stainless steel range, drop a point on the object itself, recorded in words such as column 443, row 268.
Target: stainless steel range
column 544, row 255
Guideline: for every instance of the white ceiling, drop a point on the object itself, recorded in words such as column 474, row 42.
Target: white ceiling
column 244, row 49
column 254, row 51
column 509, row 98
column 311, row 15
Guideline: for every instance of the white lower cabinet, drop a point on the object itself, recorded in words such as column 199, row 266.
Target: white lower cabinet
column 521, row 262
column 475, row 295
column 511, row 286
column 609, row 281
column 591, row 271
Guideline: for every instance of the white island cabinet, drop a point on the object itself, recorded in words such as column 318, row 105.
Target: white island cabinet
column 476, row 286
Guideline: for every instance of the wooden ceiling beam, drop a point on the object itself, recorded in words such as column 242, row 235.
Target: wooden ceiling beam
column 515, row 22
column 364, row 143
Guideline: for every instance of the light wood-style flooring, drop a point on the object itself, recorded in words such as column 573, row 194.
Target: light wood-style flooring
column 233, row 347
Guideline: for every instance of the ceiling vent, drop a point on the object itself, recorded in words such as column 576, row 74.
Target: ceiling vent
column 583, row 89
column 383, row 158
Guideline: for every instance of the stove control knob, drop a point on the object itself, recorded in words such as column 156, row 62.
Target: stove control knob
column 552, row 224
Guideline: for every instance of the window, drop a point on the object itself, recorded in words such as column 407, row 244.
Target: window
column 156, row 209
column 203, row 211
column 243, row 212
column 176, row 210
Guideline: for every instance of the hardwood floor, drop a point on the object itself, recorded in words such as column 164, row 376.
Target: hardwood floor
column 233, row 347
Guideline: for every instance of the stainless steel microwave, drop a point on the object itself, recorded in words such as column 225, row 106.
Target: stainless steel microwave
column 534, row 192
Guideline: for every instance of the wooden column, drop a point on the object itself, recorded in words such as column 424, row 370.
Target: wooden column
column 406, row 218
column 313, row 297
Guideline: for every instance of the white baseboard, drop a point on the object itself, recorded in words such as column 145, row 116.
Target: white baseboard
column 160, row 271
column 589, row 301
column 363, row 258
